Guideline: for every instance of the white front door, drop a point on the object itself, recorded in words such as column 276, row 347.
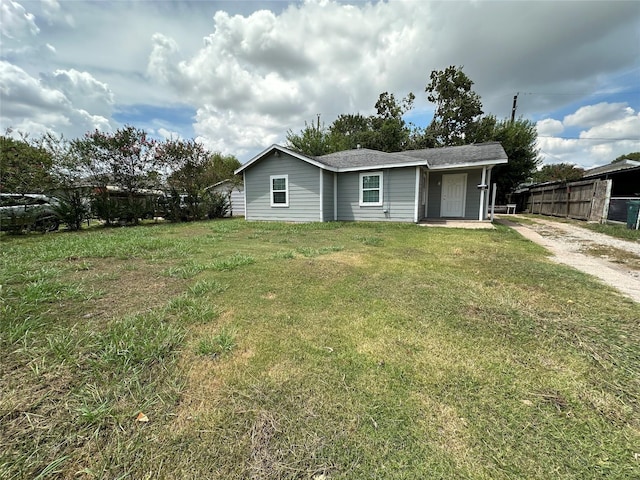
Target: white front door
column 454, row 189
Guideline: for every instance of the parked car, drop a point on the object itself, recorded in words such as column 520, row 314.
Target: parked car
column 29, row 211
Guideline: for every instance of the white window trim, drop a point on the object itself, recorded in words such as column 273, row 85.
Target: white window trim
column 271, row 191
column 361, row 190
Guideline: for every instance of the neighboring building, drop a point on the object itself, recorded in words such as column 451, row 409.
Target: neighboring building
column 235, row 195
column 601, row 195
column 625, row 185
column 363, row 184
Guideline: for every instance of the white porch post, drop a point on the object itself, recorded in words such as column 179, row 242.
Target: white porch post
column 486, row 201
column 482, row 182
column 321, row 195
column 244, row 192
column 335, row 196
column 416, row 218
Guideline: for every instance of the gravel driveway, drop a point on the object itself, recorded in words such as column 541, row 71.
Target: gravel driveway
column 568, row 243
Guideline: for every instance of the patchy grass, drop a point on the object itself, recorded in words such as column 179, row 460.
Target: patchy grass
column 612, row 229
column 271, row 350
column 616, row 255
column 615, row 230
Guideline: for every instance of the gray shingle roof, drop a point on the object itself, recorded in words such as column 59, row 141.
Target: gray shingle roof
column 491, row 152
column 612, row 167
column 361, row 159
column 464, row 154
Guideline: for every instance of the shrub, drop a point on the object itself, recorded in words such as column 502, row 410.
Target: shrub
column 217, row 204
column 72, row 208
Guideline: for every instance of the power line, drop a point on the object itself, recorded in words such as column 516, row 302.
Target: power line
column 589, row 138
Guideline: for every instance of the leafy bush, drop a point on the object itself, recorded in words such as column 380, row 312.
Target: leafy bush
column 72, row 208
column 178, row 207
column 104, row 208
column 217, row 204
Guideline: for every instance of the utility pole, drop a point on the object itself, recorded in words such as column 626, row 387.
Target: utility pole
column 318, row 121
column 514, row 108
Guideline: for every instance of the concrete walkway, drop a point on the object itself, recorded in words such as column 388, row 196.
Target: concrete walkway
column 468, row 224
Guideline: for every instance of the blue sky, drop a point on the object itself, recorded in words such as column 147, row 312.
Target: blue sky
column 237, row 75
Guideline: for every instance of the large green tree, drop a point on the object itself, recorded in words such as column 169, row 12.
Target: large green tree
column 125, row 159
column 312, row 140
column 25, row 165
column 519, row 140
column 457, row 106
column 629, row 156
column 386, row 131
column 348, row 131
column 193, row 170
column 390, row 133
column 558, row 172
column 71, row 175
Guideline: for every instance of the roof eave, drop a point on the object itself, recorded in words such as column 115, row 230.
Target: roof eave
column 384, row 166
column 484, row 163
column 278, row 148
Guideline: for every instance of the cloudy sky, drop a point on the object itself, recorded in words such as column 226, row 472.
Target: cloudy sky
column 238, row 74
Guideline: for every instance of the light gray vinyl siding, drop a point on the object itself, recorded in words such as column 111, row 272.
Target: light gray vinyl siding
column 235, row 195
column 303, row 185
column 472, row 203
column 398, row 197
column 472, row 208
column 327, row 196
column 236, row 208
column 434, row 193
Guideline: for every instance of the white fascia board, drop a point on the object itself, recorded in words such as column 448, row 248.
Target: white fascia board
column 458, row 166
column 418, row 163
column 297, row 155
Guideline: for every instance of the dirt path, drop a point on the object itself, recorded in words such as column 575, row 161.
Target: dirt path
column 568, row 244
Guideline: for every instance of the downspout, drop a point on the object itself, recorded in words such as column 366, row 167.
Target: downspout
column 482, row 182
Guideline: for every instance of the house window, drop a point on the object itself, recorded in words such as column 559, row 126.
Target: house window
column 279, row 190
column 371, row 189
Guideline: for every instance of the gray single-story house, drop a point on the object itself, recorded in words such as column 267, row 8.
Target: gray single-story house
column 363, row 184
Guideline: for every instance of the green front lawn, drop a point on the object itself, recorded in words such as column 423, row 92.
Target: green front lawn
column 322, row 351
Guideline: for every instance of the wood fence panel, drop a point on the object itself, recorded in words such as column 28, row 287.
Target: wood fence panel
column 583, row 200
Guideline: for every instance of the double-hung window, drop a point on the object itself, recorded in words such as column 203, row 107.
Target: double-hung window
column 371, row 189
column 279, row 190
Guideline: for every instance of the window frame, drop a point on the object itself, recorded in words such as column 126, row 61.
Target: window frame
column 361, row 189
column 272, row 191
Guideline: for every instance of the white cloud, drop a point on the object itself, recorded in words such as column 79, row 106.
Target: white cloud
column 16, row 23
column 615, row 132
column 627, row 127
column 82, row 90
column 32, row 106
column 252, row 75
column 168, row 134
column 592, row 115
column 549, row 126
column 54, row 14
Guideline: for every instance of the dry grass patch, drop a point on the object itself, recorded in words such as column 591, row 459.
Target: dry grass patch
column 358, row 351
column 125, row 287
column 627, row 259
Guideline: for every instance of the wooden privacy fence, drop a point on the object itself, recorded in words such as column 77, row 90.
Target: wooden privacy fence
column 583, row 200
